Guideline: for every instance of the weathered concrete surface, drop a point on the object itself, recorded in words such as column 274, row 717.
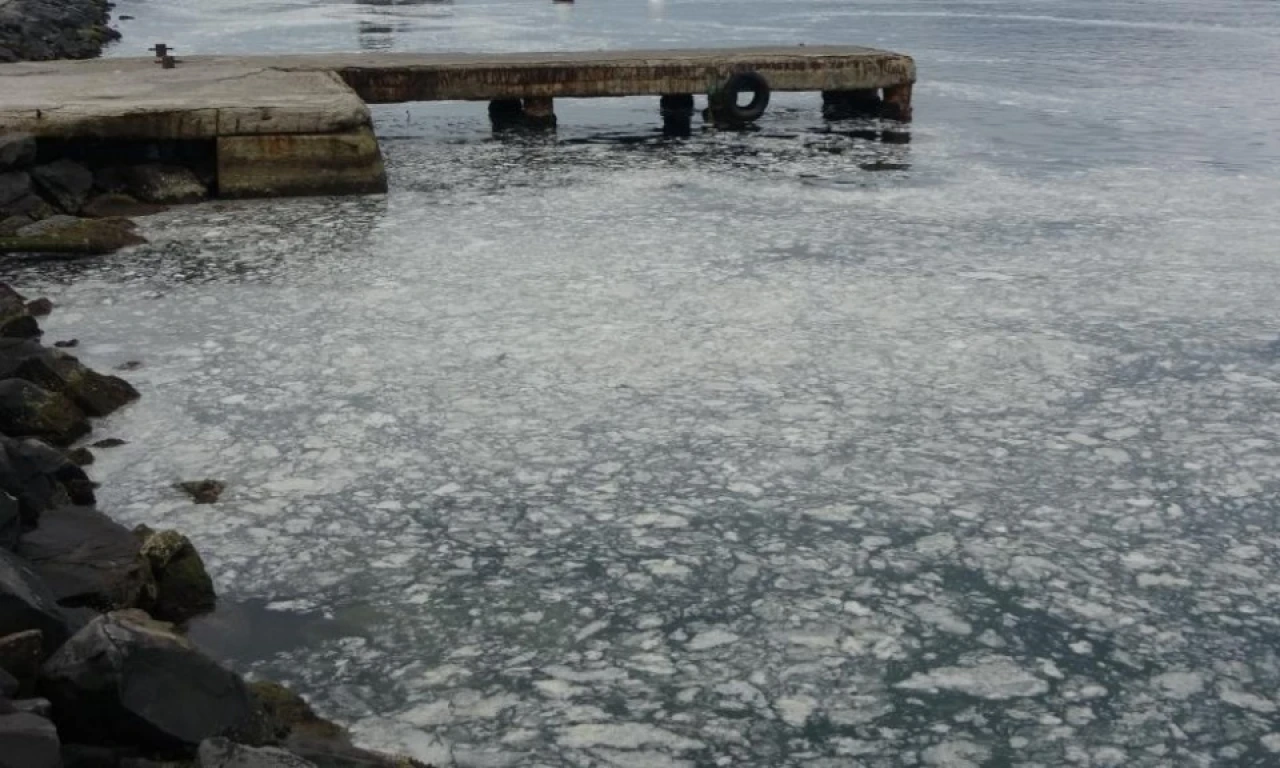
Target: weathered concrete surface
column 283, row 165
column 136, row 99
column 206, row 97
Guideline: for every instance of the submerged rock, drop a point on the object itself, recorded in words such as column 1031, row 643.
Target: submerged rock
column 115, row 204
column 27, row 410
column 126, row 678
column 27, row 604
column 183, row 588
column 202, row 491
column 70, row 235
column 88, row 559
column 286, row 713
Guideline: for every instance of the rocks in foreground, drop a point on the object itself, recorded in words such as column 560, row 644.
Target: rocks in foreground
column 182, row 587
column 27, row 410
column 40, row 30
column 27, row 604
column 126, row 678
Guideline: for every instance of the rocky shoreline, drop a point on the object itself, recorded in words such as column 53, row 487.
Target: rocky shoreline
column 69, row 199
column 95, row 669
column 39, row 30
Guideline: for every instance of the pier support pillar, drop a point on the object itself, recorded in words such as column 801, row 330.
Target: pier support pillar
column 846, row 105
column 295, row 164
column 677, row 115
column 897, row 103
column 533, row 114
column 540, row 114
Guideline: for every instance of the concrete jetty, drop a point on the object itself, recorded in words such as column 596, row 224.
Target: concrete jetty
column 286, row 125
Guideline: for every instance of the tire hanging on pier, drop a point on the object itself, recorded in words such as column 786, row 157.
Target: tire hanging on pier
column 725, row 102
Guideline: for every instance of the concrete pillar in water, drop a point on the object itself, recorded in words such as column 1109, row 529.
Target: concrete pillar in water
column 677, row 115
column 540, row 113
column 532, row 114
column 845, row 105
column 897, row 103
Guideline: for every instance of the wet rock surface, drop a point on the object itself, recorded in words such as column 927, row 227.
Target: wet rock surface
column 182, row 587
column 87, row 559
column 38, row 30
column 126, row 678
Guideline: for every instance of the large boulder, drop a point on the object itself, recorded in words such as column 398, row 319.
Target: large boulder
column 65, row 183
column 96, row 394
column 14, row 185
column 88, row 559
column 126, row 678
column 16, row 320
column 27, row 410
column 17, row 150
column 28, row 741
column 40, row 477
column 20, row 656
column 223, row 753
column 26, row 603
column 183, row 588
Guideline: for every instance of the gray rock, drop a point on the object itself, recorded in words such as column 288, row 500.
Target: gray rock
column 20, row 656
column 40, row 477
column 88, row 559
column 126, row 678
column 221, row 753
column 57, row 371
column 183, row 588
column 164, row 184
column 26, row 603
column 14, row 185
column 17, row 150
column 65, row 183
column 49, row 225
column 9, row 685
column 28, row 741
column 16, row 320
column 9, row 225
column 30, row 411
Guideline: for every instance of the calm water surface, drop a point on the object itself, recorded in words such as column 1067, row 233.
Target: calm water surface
column 789, row 448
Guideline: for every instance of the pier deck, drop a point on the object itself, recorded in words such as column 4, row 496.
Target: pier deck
column 273, row 115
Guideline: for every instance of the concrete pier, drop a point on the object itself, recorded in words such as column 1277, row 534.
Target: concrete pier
column 288, row 125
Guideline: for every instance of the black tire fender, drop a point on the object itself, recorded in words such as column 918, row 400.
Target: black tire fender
column 727, row 97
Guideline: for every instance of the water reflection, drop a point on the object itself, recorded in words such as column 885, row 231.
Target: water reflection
column 385, row 22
